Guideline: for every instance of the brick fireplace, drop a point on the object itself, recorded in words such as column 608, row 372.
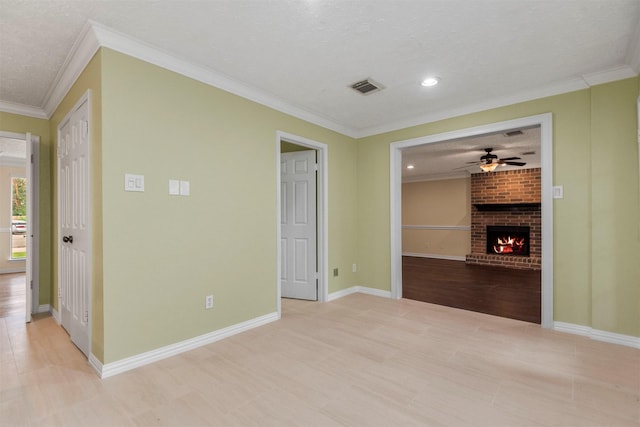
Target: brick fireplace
column 509, row 204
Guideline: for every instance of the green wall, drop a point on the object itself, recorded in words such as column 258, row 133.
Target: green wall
column 615, row 246
column 22, row 124
column 596, row 225
column 89, row 79
column 156, row 256
column 163, row 254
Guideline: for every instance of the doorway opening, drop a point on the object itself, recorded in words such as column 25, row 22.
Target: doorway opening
column 544, row 122
column 294, row 143
column 19, row 293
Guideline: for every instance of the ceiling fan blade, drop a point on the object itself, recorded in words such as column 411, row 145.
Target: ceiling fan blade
column 515, row 163
column 474, row 163
column 510, row 158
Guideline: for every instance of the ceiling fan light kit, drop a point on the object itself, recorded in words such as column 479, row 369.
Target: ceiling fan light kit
column 488, row 167
column 487, row 163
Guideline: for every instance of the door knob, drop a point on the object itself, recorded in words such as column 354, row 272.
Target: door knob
column 67, row 239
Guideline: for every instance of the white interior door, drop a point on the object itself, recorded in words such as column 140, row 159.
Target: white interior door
column 74, row 233
column 298, row 225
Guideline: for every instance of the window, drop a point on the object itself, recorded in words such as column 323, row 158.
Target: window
column 18, row 218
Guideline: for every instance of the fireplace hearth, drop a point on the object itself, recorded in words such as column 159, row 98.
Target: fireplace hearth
column 508, row 240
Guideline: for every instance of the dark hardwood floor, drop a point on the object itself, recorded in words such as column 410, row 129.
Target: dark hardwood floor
column 498, row 291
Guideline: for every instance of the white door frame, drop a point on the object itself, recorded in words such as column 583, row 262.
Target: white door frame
column 545, row 121
column 321, row 218
column 86, row 97
column 33, row 229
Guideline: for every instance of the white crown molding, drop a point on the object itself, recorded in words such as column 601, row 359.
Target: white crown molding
column 595, row 334
column 611, row 75
column 123, row 43
column 572, row 85
column 95, row 35
column 85, row 46
column 633, row 52
column 551, row 90
column 23, row 110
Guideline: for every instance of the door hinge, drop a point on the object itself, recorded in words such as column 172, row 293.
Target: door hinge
column 31, row 284
column 85, row 128
column 32, row 159
column 86, row 316
column 315, row 167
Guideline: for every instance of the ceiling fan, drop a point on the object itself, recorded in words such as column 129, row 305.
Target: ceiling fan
column 489, row 162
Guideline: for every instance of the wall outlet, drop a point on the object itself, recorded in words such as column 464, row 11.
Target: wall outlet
column 335, row 272
column 354, row 268
column 208, row 302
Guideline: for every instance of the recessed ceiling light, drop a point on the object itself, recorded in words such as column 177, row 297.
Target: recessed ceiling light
column 410, row 166
column 430, row 81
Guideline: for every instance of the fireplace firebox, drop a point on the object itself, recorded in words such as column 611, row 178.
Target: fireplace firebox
column 508, row 240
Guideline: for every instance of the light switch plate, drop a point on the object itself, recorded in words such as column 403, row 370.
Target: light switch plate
column 174, row 187
column 558, row 192
column 184, row 188
column 133, row 182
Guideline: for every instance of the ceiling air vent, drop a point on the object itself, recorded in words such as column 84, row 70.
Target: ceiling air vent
column 367, row 86
column 513, row 133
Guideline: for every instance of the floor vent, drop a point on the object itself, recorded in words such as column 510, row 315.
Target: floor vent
column 367, row 86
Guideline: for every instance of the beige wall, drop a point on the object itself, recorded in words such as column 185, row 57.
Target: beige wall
column 595, row 153
column 430, row 204
column 40, row 127
column 6, row 173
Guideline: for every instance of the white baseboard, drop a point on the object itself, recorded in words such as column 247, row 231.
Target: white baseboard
column 436, row 256
column 96, row 365
column 44, row 308
column 114, row 368
column 56, row 315
column 361, row 289
column 13, row 270
column 597, row 335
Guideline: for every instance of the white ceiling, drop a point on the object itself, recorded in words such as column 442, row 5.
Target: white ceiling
column 302, row 55
column 453, row 158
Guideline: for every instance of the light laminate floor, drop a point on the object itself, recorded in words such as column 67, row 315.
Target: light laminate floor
column 12, row 294
column 357, row 361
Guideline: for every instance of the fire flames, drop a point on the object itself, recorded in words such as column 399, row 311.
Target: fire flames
column 508, row 244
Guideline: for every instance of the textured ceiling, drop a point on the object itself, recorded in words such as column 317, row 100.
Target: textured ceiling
column 452, row 158
column 305, row 53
